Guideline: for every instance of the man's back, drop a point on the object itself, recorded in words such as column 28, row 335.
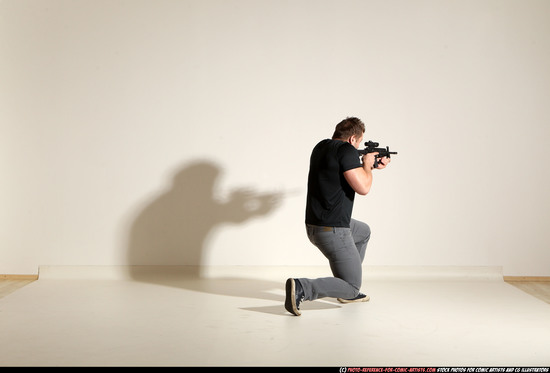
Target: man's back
column 330, row 197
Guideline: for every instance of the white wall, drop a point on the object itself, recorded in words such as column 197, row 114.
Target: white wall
column 126, row 125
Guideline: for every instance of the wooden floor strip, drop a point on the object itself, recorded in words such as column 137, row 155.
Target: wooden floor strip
column 18, row 277
column 526, row 278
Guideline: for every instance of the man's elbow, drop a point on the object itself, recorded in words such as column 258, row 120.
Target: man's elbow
column 363, row 191
column 359, row 180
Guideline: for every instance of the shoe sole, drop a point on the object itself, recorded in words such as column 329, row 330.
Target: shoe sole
column 290, row 301
column 366, row 299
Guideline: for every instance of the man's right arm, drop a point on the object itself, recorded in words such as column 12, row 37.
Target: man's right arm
column 360, row 178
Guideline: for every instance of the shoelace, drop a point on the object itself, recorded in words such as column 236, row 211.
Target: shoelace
column 300, row 300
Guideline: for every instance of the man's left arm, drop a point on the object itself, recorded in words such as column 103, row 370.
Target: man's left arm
column 383, row 163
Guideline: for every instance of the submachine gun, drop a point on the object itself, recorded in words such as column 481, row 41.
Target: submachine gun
column 372, row 147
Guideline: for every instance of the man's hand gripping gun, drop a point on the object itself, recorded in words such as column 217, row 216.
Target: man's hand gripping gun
column 371, row 147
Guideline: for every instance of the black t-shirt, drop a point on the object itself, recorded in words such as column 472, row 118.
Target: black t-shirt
column 330, row 197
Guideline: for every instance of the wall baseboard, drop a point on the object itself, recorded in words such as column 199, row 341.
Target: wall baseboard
column 276, row 273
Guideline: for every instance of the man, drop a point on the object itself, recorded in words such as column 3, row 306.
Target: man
column 335, row 175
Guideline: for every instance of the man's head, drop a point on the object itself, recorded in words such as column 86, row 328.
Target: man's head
column 350, row 130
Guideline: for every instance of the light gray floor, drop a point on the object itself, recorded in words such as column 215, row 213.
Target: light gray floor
column 166, row 319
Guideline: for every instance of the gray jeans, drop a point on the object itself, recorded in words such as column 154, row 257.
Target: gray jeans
column 345, row 250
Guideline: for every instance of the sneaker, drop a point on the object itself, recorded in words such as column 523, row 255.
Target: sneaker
column 294, row 296
column 359, row 298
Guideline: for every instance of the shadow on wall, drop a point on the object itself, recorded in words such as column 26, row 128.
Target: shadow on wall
column 173, row 228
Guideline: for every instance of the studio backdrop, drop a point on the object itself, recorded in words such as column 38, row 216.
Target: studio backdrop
column 178, row 132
